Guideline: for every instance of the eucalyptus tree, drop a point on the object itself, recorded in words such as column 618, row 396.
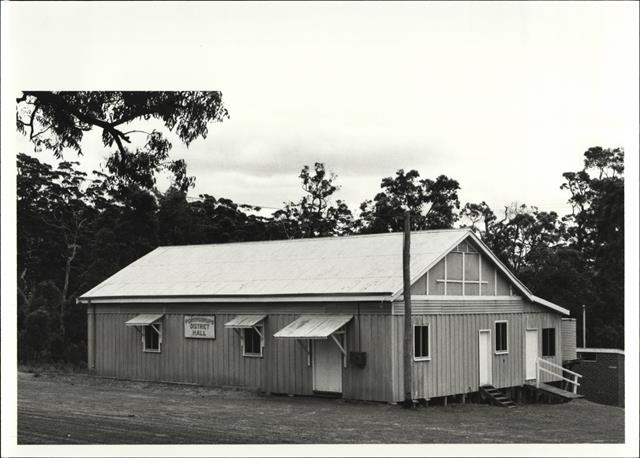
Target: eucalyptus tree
column 58, row 121
column 433, row 204
column 316, row 214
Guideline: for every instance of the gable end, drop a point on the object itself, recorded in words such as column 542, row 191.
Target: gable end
column 468, row 269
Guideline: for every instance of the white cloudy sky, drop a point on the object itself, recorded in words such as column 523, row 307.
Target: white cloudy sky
column 503, row 97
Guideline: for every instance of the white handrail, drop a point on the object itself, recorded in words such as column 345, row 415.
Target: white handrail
column 563, row 378
column 559, row 367
column 539, row 369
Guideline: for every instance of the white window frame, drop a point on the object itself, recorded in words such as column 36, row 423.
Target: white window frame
column 495, row 343
column 422, row 358
column 259, row 329
column 158, row 328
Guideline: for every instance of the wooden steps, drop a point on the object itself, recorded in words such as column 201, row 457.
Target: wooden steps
column 496, row 396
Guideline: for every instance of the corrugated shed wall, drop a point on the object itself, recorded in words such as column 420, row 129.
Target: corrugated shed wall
column 568, row 326
column 621, row 380
column 603, row 379
column 453, row 368
column 219, row 362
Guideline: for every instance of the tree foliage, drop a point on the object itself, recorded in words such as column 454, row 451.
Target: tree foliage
column 597, row 232
column 57, row 121
column 574, row 260
column 431, row 203
column 315, row 215
column 521, row 238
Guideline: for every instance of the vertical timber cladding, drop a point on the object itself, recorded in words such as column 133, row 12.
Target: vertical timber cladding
column 219, row 362
column 373, row 381
column 203, row 361
column 453, row 367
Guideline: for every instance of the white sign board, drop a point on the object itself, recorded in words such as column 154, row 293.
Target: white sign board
column 200, row 326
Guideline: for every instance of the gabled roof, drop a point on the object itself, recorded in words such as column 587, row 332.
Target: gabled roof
column 501, row 267
column 363, row 267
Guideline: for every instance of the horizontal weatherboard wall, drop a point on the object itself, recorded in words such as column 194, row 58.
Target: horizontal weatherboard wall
column 425, row 305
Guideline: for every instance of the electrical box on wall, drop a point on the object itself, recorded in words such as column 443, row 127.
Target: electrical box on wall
column 358, row 358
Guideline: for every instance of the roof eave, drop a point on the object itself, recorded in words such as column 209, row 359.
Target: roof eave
column 378, row 297
column 551, row 305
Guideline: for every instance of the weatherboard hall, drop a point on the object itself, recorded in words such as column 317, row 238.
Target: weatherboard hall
column 326, row 315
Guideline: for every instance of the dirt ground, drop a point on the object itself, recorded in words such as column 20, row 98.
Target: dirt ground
column 79, row 409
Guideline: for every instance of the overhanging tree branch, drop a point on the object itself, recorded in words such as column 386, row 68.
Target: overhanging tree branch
column 60, row 102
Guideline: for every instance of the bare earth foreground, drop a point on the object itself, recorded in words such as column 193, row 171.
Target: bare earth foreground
column 78, row 409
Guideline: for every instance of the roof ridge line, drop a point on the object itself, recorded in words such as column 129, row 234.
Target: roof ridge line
column 326, row 238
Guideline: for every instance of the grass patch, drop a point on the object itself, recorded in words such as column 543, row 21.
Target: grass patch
column 59, row 368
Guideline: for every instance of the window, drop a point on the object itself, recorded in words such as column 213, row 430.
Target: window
column 252, row 341
column 501, row 337
column 421, row 343
column 152, row 337
column 548, row 342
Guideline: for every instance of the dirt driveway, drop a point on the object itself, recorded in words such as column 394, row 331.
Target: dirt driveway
column 78, row 409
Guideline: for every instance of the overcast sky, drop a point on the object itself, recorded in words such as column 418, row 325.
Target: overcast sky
column 503, row 97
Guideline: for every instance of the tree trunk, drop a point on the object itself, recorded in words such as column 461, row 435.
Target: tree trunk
column 67, row 276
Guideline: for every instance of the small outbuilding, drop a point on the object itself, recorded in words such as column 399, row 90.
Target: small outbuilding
column 325, row 315
column 603, row 372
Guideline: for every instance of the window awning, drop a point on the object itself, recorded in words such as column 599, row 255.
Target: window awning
column 144, row 319
column 244, row 321
column 313, row 327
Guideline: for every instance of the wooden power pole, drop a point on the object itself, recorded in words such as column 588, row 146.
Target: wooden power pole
column 406, row 276
column 584, row 326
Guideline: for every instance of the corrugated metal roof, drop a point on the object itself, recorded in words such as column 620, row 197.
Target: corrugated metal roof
column 367, row 264
column 313, row 327
column 244, row 321
column 144, row 319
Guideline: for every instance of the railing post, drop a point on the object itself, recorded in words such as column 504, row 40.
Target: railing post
column 558, row 371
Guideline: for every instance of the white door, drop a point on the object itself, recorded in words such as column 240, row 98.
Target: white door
column 484, row 357
column 327, row 366
column 531, row 354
